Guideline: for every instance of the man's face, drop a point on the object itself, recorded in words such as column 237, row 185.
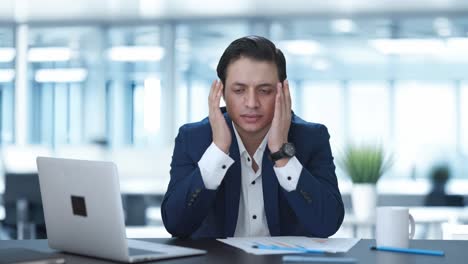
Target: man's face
column 250, row 92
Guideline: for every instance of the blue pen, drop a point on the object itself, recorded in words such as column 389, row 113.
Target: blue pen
column 298, row 249
column 410, row 250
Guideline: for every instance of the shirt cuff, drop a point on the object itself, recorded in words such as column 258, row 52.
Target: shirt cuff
column 213, row 166
column 288, row 175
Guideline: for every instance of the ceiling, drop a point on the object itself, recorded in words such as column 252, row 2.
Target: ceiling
column 111, row 10
column 200, row 43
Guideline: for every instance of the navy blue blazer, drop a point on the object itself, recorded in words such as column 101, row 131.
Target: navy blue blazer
column 314, row 209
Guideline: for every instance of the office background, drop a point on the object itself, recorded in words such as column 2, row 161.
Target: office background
column 116, row 79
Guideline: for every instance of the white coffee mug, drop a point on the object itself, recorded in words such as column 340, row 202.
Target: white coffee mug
column 392, row 227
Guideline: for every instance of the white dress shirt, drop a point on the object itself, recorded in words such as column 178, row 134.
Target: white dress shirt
column 251, row 220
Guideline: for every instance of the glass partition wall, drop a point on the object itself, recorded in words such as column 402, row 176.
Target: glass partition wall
column 61, row 62
column 400, row 82
column 7, row 81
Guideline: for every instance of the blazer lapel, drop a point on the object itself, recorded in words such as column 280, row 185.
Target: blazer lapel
column 270, row 194
column 232, row 185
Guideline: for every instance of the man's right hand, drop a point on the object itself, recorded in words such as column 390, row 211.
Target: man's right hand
column 221, row 132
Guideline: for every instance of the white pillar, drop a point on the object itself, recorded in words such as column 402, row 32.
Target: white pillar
column 21, row 86
column 169, row 88
column 94, row 107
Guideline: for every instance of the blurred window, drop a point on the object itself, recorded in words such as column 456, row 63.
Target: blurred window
column 198, row 49
column 323, row 102
column 7, row 80
column 60, row 63
column 369, row 113
column 464, row 119
column 136, row 85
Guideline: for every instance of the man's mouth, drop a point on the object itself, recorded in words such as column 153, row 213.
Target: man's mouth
column 251, row 118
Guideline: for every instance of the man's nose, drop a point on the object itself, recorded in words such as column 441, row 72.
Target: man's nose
column 252, row 100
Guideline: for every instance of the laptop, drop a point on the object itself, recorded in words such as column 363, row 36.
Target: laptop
column 84, row 214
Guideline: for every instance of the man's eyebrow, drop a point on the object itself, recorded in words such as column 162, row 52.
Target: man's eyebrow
column 265, row 85
column 239, row 84
column 261, row 85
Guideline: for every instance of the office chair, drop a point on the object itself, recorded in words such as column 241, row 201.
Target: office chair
column 22, row 197
column 24, row 216
column 442, row 199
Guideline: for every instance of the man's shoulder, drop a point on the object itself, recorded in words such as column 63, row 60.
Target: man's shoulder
column 303, row 130
column 202, row 126
column 194, row 127
column 305, row 126
column 196, row 137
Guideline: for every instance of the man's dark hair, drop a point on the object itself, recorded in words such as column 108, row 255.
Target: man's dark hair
column 253, row 47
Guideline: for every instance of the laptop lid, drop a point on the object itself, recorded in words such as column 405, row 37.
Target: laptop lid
column 83, row 207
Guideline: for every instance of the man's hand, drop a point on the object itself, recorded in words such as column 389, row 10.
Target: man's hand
column 281, row 120
column 221, row 133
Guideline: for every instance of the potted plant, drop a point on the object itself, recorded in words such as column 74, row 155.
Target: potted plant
column 364, row 165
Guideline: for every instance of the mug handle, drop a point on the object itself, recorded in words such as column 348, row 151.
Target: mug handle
column 411, row 219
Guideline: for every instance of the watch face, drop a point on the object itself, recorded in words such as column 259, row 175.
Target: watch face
column 289, row 149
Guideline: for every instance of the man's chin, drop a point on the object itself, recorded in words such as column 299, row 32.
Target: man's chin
column 251, row 127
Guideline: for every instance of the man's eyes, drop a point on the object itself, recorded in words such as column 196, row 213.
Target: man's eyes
column 265, row 91
column 262, row 90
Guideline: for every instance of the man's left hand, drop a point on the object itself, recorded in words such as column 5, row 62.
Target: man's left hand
column 281, row 121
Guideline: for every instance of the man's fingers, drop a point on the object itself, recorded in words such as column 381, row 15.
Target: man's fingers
column 278, row 106
column 212, row 90
column 212, row 93
column 217, row 96
column 283, row 100
column 220, row 90
column 287, row 95
column 213, row 103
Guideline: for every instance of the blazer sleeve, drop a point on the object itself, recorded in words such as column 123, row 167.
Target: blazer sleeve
column 317, row 201
column 187, row 202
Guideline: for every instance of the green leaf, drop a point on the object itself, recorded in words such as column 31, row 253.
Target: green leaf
column 365, row 164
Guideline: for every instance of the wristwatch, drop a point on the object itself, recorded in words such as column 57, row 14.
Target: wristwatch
column 286, row 151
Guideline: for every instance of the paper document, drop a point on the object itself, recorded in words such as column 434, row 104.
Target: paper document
column 290, row 244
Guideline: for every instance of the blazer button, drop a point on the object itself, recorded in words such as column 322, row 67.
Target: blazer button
column 198, row 190
column 189, row 204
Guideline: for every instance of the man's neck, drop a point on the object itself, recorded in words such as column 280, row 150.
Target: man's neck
column 252, row 140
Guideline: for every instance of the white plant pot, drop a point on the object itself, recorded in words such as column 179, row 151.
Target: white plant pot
column 364, row 201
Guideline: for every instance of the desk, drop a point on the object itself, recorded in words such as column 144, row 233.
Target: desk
column 455, row 252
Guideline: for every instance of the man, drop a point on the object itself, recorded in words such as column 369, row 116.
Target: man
column 252, row 168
